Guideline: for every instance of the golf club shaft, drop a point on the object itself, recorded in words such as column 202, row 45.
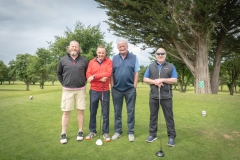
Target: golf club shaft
column 160, row 119
column 159, row 102
column 101, row 109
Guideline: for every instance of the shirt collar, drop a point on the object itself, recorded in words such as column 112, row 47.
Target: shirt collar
column 96, row 59
column 159, row 63
column 122, row 56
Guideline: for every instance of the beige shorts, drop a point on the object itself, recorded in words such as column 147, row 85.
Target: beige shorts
column 69, row 97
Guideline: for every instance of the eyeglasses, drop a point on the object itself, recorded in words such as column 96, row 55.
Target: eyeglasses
column 160, row 54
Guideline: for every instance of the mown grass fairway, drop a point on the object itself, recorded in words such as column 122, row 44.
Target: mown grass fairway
column 30, row 129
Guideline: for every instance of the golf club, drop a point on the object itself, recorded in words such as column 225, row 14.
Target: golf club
column 160, row 152
column 99, row 141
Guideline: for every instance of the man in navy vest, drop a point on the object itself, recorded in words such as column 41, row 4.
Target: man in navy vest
column 160, row 75
column 124, row 82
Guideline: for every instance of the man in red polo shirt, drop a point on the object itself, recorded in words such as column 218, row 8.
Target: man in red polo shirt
column 98, row 75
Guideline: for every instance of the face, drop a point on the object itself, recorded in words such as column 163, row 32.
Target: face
column 74, row 48
column 160, row 55
column 101, row 53
column 122, row 47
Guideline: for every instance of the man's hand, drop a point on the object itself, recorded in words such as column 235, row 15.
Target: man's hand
column 158, row 82
column 90, row 78
column 103, row 79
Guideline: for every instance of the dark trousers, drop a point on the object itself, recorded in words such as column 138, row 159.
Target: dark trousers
column 95, row 96
column 130, row 98
column 166, row 105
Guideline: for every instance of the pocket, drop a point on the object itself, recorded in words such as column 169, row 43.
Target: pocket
column 63, row 103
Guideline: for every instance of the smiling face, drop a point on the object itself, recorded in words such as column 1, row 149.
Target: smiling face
column 122, row 47
column 160, row 55
column 101, row 53
column 74, row 48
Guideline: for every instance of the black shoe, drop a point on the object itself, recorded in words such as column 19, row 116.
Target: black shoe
column 151, row 139
column 170, row 142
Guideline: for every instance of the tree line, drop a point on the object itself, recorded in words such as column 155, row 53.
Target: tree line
column 42, row 66
column 201, row 38
column 202, row 34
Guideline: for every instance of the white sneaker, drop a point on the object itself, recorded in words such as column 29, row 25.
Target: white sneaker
column 131, row 137
column 106, row 137
column 90, row 135
column 63, row 138
column 80, row 136
column 116, row 136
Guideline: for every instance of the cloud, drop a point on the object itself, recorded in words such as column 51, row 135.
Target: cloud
column 26, row 25
column 142, row 55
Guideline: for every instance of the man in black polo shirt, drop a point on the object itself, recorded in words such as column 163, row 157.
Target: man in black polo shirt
column 71, row 72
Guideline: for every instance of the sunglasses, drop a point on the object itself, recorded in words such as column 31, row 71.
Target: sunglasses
column 160, row 54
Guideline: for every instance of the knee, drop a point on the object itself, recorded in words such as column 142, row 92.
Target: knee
column 66, row 113
column 80, row 112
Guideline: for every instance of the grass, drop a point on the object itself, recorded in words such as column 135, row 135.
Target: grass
column 30, row 129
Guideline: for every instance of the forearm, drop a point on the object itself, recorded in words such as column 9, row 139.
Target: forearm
column 148, row 81
column 135, row 79
column 60, row 78
column 160, row 81
column 60, row 72
column 168, row 80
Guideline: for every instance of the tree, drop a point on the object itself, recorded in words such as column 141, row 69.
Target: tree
column 40, row 65
column 21, row 68
column 88, row 37
column 52, row 78
column 3, row 72
column 227, row 25
column 238, row 84
column 184, row 76
column 184, row 28
column 12, row 72
column 223, row 77
column 141, row 73
column 232, row 67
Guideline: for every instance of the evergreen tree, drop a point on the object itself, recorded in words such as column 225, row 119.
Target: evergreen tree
column 184, row 28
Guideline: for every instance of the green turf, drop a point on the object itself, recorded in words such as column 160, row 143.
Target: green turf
column 30, row 129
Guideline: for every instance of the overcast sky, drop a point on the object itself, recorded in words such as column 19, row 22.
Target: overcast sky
column 26, row 25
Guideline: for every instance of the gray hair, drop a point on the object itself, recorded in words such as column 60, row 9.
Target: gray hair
column 80, row 49
column 122, row 40
column 75, row 42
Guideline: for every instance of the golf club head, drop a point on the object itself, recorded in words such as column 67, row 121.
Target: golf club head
column 99, row 142
column 160, row 153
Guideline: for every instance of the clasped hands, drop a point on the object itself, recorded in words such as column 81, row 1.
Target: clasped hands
column 92, row 77
column 103, row 79
column 158, row 82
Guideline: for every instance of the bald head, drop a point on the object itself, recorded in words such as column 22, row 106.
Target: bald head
column 161, row 50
